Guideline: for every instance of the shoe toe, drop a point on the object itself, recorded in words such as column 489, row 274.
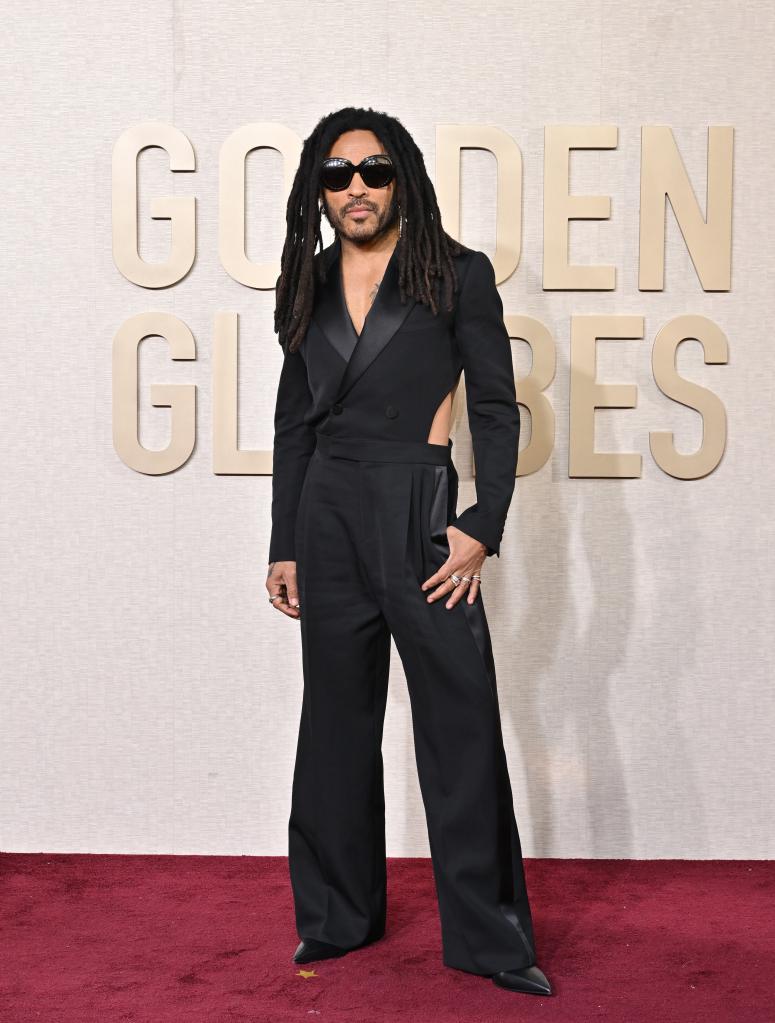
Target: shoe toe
column 298, row 955
column 530, row 980
column 310, row 951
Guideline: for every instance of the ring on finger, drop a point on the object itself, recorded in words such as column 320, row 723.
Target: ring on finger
column 457, row 579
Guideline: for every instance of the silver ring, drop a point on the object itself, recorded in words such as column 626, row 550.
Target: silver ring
column 277, row 596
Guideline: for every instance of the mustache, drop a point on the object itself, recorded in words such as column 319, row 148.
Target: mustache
column 357, row 205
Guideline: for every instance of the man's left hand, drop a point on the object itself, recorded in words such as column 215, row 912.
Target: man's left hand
column 466, row 557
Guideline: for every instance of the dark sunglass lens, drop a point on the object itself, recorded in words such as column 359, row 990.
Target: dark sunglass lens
column 378, row 175
column 335, row 177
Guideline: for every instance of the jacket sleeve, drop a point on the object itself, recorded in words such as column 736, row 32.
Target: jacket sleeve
column 294, row 442
column 493, row 412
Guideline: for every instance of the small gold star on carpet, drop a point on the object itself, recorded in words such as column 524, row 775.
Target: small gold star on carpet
column 306, row 973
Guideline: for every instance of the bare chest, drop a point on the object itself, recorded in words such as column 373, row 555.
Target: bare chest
column 360, row 290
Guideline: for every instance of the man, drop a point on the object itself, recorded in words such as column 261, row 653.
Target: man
column 376, row 330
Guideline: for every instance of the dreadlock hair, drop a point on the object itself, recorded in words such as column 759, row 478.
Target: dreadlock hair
column 425, row 249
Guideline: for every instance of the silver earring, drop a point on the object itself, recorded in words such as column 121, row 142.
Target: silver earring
column 400, row 222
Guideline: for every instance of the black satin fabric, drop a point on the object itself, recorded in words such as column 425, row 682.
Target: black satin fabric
column 371, row 528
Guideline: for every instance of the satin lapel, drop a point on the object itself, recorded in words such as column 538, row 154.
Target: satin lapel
column 330, row 310
column 384, row 318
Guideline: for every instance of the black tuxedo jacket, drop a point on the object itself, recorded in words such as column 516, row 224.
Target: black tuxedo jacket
column 388, row 382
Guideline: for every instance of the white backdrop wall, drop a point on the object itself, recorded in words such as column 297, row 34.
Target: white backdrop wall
column 150, row 694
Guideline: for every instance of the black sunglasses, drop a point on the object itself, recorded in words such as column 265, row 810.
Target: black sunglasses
column 377, row 171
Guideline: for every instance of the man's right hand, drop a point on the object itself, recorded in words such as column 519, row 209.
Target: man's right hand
column 281, row 581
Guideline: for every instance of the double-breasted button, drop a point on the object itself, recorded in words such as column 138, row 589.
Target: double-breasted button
column 336, row 408
column 391, row 411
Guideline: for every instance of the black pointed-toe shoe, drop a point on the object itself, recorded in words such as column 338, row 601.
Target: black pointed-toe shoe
column 531, row 980
column 310, row 951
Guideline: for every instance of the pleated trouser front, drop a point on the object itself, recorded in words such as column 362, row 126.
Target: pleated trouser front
column 371, row 526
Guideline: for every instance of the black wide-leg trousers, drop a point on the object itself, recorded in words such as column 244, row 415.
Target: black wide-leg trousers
column 371, row 527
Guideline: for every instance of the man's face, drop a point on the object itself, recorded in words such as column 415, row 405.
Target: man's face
column 380, row 204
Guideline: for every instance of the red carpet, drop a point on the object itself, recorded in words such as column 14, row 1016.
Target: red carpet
column 209, row 939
